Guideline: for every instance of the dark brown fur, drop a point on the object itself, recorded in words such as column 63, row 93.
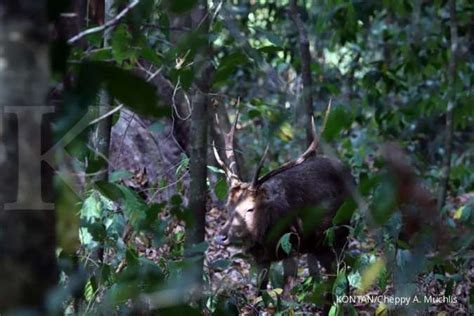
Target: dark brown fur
column 283, row 203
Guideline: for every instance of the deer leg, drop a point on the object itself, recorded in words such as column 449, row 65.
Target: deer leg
column 326, row 259
column 263, row 271
column 290, row 271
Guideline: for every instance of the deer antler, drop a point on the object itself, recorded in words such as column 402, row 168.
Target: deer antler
column 230, row 169
column 259, row 167
column 310, row 151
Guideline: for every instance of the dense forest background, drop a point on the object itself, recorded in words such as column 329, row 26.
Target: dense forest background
column 142, row 89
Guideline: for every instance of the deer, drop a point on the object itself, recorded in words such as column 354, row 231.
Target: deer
column 299, row 198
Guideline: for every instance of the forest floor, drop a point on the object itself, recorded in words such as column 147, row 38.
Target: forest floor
column 238, row 279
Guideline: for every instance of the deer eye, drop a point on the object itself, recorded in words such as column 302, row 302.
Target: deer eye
column 250, row 210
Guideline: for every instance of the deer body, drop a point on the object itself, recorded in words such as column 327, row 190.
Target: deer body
column 300, row 198
column 311, row 191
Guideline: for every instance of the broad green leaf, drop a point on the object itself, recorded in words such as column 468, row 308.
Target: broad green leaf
column 338, row 120
column 344, row 213
column 285, row 243
column 109, row 190
column 120, row 44
column 127, row 87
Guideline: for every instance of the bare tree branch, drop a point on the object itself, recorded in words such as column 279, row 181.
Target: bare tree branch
column 105, row 26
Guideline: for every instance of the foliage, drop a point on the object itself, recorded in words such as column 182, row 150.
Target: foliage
column 384, row 64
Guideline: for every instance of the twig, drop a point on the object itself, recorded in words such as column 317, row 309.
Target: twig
column 105, row 26
column 106, row 115
column 443, row 185
column 305, row 69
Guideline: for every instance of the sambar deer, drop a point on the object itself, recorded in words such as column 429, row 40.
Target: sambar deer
column 300, row 198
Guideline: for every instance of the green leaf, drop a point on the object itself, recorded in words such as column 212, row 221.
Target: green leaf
column 285, row 243
column 221, row 189
column 270, row 49
column 354, row 279
column 267, row 299
column 109, row 190
column 338, row 120
column 97, row 231
column 90, row 289
column 120, row 44
column 91, row 208
column 383, row 203
column 127, row 87
column 233, row 59
column 95, row 164
column 149, row 54
column 134, row 206
column 228, row 66
column 118, row 175
column 367, row 183
column 370, row 275
column 340, row 284
column 222, row 74
column 254, row 113
column 344, row 213
column 330, row 236
column 132, row 257
column 176, row 200
column 152, row 215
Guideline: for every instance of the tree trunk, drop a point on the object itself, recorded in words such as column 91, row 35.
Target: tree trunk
column 198, row 138
column 104, row 127
column 28, row 269
column 307, row 106
column 448, row 139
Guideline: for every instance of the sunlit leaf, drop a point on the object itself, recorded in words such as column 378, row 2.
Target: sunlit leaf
column 370, row 275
